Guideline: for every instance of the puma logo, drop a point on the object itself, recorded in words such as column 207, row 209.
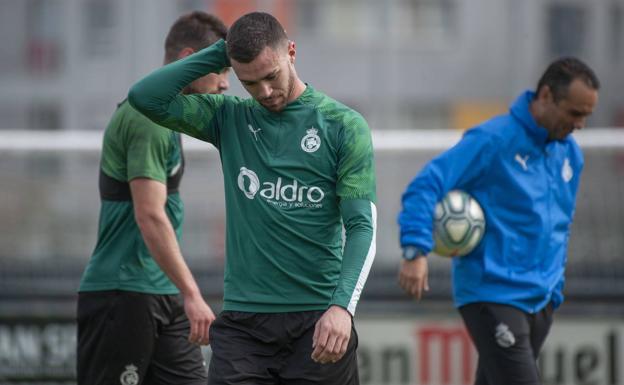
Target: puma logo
column 522, row 161
column 254, row 132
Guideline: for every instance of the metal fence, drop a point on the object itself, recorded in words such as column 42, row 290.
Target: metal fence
column 49, row 204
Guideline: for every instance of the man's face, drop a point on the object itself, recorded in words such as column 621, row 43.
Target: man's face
column 569, row 113
column 210, row 84
column 270, row 77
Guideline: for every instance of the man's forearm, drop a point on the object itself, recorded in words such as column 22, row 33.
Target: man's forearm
column 162, row 243
column 360, row 220
column 154, row 95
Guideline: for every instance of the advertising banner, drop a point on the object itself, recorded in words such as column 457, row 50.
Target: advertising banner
column 423, row 351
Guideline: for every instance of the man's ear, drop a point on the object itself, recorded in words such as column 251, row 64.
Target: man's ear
column 545, row 94
column 184, row 52
column 292, row 51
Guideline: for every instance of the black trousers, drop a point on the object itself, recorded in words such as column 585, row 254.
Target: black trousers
column 508, row 341
column 274, row 349
column 129, row 338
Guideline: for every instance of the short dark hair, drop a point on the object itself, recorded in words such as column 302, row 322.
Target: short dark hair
column 196, row 30
column 562, row 72
column 251, row 33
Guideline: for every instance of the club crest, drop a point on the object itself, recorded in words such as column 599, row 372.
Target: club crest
column 311, row 142
column 566, row 171
column 504, row 336
column 130, row 376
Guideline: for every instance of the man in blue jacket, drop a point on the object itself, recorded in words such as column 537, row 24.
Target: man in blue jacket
column 524, row 169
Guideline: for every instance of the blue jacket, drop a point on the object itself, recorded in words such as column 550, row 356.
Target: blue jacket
column 527, row 187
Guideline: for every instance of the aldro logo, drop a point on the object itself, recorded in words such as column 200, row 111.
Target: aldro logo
column 282, row 192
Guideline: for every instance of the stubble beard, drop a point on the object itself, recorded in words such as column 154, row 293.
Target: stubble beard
column 290, row 88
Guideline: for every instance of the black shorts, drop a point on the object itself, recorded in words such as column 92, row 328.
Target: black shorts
column 129, row 338
column 508, row 341
column 274, row 348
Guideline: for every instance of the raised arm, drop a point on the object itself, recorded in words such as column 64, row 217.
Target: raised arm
column 158, row 97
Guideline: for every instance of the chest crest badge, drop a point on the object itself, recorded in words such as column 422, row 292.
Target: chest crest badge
column 311, row 141
column 566, row 171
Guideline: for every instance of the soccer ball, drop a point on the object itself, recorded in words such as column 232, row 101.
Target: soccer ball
column 458, row 225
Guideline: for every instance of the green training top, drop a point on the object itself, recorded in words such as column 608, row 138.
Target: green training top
column 133, row 147
column 292, row 179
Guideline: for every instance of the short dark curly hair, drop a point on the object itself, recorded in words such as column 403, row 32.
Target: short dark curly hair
column 196, row 30
column 562, row 72
column 251, row 33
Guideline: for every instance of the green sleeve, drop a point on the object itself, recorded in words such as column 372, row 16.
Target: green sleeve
column 356, row 165
column 147, row 151
column 158, row 97
column 359, row 217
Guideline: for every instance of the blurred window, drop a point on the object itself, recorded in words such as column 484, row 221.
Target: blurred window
column 423, row 115
column 95, row 112
column 567, row 29
column 44, row 30
column 421, row 22
column 308, row 16
column 12, row 30
column 424, row 22
column 44, row 115
column 31, row 115
column 616, row 43
column 99, row 18
column 351, row 20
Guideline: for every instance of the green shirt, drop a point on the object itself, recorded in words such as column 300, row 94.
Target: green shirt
column 292, row 179
column 133, row 147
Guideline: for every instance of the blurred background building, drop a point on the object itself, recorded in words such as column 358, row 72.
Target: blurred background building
column 418, row 70
column 404, row 64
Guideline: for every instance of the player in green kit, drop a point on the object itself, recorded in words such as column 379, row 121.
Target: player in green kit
column 133, row 327
column 297, row 166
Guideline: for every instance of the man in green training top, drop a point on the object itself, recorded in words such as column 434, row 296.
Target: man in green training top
column 297, row 166
column 133, row 327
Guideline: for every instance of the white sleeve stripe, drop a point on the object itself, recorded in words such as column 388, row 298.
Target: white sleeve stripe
column 368, row 262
